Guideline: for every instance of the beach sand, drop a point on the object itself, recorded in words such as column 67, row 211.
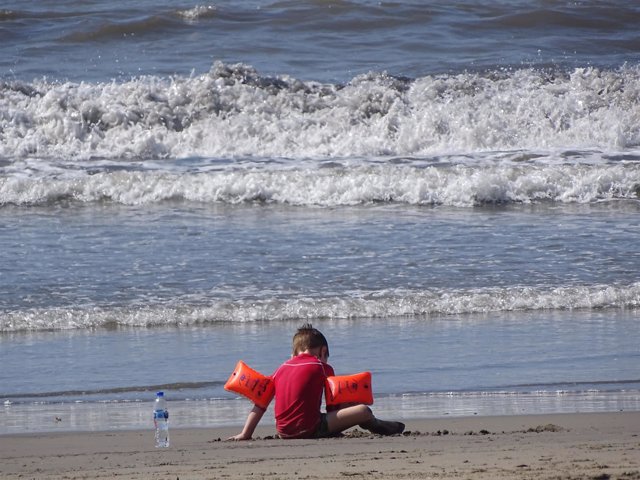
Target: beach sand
column 563, row 446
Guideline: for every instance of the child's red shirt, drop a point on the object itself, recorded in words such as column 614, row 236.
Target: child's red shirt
column 299, row 386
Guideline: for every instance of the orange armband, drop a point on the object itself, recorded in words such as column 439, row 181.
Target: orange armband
column 251, row 384
column 354, row 388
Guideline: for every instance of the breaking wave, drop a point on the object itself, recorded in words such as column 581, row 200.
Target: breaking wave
column 358, row 305
column 234, row 112
column 333, row 184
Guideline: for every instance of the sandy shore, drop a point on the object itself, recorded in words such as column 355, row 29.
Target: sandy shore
column 564, row 446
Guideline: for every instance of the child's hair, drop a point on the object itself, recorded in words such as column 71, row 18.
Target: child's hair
column 307, row 338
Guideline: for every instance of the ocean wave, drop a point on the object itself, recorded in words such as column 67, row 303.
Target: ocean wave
column 138, row 24
column 233, row 112
column 575, row 386
column 335, row 184
column 113, row 390
column 388, row 304
column 111, row 30
column 8, row 15
column 197, row 13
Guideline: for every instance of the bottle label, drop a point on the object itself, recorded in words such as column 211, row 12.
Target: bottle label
column 160, row 414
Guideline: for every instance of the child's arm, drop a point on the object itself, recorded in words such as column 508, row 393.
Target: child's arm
column 254, row 417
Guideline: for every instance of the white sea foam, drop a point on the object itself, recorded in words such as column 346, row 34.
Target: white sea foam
column 194, row 14
column 455, row 185
column 519, row 136
column 234, row 112
column 396, row 303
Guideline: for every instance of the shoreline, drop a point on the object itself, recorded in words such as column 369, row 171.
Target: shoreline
column 78, row 417
column 559, row 446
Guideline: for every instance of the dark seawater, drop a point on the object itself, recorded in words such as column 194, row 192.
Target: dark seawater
column 449, row 191
column 327, row 41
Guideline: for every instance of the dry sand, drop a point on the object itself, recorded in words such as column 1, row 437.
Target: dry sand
column 584, row 445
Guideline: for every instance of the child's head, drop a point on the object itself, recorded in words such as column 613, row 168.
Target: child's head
column 308, row 338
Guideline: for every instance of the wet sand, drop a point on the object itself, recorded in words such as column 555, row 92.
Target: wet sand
column 562, row 446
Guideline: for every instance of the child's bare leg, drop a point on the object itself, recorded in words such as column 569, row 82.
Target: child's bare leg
column 361, row 415
column 339, row 420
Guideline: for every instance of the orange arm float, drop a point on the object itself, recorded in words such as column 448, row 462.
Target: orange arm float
column 251, row 384
column 354, row 388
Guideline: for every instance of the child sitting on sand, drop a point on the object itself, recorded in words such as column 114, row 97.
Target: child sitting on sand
column 299, row 384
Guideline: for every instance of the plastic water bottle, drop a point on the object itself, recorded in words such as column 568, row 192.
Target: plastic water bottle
column 161, row 421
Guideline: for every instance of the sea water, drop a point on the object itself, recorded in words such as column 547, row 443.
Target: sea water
column 448, row 191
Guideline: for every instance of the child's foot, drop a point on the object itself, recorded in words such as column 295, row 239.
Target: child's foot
column 384, row 427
